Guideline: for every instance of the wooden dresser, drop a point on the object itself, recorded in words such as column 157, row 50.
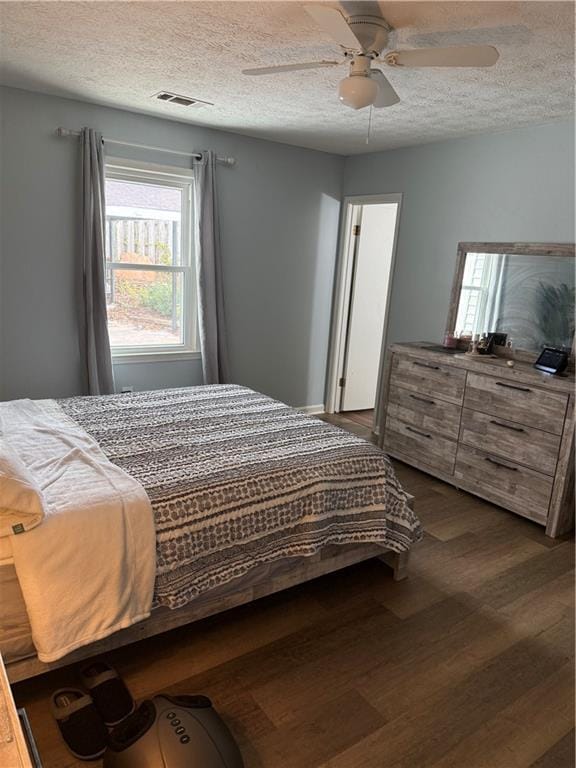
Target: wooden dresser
column 505, row 434
column 15, row 750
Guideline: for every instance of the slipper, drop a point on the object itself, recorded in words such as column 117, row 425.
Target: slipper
column 80, row 723
column 111, row 697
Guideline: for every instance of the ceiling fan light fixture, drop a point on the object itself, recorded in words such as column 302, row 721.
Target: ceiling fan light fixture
column 357, row 91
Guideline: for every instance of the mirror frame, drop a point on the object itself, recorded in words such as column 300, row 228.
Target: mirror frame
column 518, row 249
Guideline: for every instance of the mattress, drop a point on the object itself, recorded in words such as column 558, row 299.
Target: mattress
column 6, row 557
column 15, row 632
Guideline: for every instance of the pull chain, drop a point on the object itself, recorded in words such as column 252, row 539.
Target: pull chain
column 369, row 126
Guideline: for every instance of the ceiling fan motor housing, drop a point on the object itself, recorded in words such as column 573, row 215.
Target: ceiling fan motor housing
column 360, row 65
column 372, row 33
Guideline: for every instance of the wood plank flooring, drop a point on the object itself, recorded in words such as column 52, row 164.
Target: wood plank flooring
column 466, row 664
column 365, row 418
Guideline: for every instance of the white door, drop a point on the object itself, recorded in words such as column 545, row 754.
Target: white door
column 368, row 297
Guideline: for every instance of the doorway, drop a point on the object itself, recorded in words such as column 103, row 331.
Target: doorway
column 360, row 316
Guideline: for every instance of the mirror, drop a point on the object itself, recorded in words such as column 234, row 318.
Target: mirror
column 523, row 290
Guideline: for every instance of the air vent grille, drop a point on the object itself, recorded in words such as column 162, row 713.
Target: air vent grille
column 183, row 101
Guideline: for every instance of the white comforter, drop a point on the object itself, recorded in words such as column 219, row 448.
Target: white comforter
column 87, row 569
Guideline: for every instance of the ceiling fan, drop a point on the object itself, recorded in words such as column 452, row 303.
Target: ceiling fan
column 363, row 40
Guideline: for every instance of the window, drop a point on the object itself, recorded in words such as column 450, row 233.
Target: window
column 480, row 295
column 150, row 294
column 473, row 293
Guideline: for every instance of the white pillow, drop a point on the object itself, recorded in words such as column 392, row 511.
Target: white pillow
column 21, row 501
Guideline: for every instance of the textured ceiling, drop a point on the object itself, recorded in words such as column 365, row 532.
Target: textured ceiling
column 120, row 53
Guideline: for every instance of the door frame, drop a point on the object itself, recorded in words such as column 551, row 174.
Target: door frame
column 341, row 295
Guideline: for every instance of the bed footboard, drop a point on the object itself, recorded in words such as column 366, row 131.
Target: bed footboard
column 264, row 581
column 398, row 561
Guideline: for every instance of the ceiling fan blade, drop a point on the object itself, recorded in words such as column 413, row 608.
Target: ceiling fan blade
column 289, row 68
column 387, row 96
column 509, row 34
column 335, row 24
column 457, row 56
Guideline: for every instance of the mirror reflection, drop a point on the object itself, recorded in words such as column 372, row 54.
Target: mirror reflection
column 528, row 297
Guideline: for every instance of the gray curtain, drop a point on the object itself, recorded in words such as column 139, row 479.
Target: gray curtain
column 495, row 293
column 94, row 340
column 211, row 325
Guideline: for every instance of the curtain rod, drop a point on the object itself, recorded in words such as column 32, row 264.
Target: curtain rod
column 67, row 132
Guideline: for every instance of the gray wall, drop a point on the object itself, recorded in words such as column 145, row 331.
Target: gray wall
column 279, row 216
column 512, row 187
column 279, row 226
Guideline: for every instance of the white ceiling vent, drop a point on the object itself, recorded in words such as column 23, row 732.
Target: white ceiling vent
column 183, row 101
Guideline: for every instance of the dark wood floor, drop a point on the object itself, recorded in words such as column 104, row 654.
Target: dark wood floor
column 466, row 664
column 350, row 418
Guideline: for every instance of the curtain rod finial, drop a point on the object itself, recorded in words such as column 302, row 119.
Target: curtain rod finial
column 64, row 132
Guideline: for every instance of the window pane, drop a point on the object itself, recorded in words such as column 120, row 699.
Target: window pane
column 474, row 269
column 144, row 307
column 468, row 310
column 143, row 223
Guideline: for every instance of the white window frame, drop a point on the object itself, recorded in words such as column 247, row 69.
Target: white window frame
column 180, row 178
column 482, row 291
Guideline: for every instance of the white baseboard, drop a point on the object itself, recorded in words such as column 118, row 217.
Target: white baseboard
column 313, row 410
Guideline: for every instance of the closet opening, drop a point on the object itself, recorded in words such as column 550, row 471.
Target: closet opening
column 368, row 238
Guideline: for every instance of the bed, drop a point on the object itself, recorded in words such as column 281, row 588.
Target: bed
column 247, row 496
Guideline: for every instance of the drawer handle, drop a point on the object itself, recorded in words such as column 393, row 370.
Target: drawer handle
column 507, row 426
column 427, row 365
column 417, row 431
column 513, row 386
column 499, row 464
column 423, row 399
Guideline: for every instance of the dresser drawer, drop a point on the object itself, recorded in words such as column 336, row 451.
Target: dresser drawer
column 503, row 482
column 521, row 403
column 429, row 378
column 523, row 445
column 420, row 445
column 425, row 412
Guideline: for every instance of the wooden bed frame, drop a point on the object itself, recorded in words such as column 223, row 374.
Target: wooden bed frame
column 265, row 580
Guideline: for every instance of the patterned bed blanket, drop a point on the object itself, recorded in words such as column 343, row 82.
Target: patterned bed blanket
column 237, row 479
